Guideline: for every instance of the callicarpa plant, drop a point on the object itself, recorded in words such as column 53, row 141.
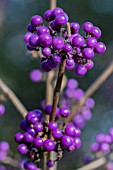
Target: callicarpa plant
column 61, row 46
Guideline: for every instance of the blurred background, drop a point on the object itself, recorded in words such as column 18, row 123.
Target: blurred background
column 16, row 64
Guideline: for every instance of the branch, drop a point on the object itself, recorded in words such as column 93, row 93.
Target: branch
column 53, row 4
column 16, row 102
column 10, row 161
column 95, row 164
column 97, row 83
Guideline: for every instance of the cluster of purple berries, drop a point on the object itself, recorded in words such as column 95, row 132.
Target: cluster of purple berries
column 103, row 143
column 102, row 147
column 4, row 148
column 71, row 96
column 2, row 109
column 55, row 43
column 36, row 138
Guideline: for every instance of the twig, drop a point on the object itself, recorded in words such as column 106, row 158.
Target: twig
column 93, row 165
column 10, row 161
column 97, row 83
column 97, row 163
column 53, row 4
column 16, row 102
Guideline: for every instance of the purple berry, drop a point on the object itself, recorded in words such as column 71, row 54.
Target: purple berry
column 64, row 112
column 69, row 62
column 31, row 131
column 4, row 146
column 24, row 125
column 50, row 163
column 49, row 145
column 100, row 138
column 61, row 19
column 66, row 141
column 30, row 28
column 48, row 15
column 28, row 138
column 72, row 83
column 58, row 43
column 56, row 11
column 74, row 27
column 100, row 48
column 39, row 127
column 78, row 41
column 90, row 103
column 38, row 142
column 94, row 147
column 87, row 26
column 105, row 147
column 89, row 65
column 91, row 42
column 48, row 110
column 70, row 130
column 42, row 30
column 67, row 48
column 77, row 132
column 45, row 40
column 34, row 40
column 57, row 133
column 30, row 48
column 19, row 137
column 77, row 142
column 22, row 149
column 57, row 59
column 36, row 20
column 52, row 125
column 45, row 66
column 80, row 70
column 27, row 36
column 46, row 52
column 88, row 53
column 2, row 109
column 36, row 75
column 96, row 32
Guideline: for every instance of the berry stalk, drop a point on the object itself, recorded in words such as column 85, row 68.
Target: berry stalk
column 57, row 89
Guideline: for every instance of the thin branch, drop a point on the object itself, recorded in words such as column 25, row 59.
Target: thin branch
column 10, row 161
column 53, row 4
column 16, row 102
column 93, row 165
column 94, row 87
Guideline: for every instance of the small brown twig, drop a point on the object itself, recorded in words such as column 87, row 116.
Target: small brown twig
column 10, row 161
column 95, row 86
column 97, row 163
column 14, row 99
column 53, row 4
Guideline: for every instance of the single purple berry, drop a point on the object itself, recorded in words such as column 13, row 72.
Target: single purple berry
column 29, row 47
column 100, row 48
column 24, row 125
column 56, row 11
column 48, row 15
column 105, row 148
column 80, row 70
column 96, row 32
column 87, row 26
column 48, row 110
column 67, row 48
column 31, row 131
column 52, row 125
column 58, row 43
column 39, row 127
column 46, row 52
column 74, row 27
column 78, row 41
column 72, row 84
column 45, row 66
column 4, row 146
column 27, row 36
column 35, row 75
column 30, row 28
column 28, row 138
column 19, row 137
column 61, row 19
column 42, row 30
column 70, row 130
column 91, row 42
column 38, row 142
column 50, row 163
column 77, row 132
column 64, row 112
column 22, row 149
column 57, row 133
column 66, row 141
column 90, row 103
column 2, row 109
column 34, row 40
column 45, row 40
column 49, row 145
column 36, row 20
column 77, row 142
column 89, row 65
column 100, row 138
column 88, row 53
column 57, row 59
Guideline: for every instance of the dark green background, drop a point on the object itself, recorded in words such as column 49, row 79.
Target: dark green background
column 16, row 63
